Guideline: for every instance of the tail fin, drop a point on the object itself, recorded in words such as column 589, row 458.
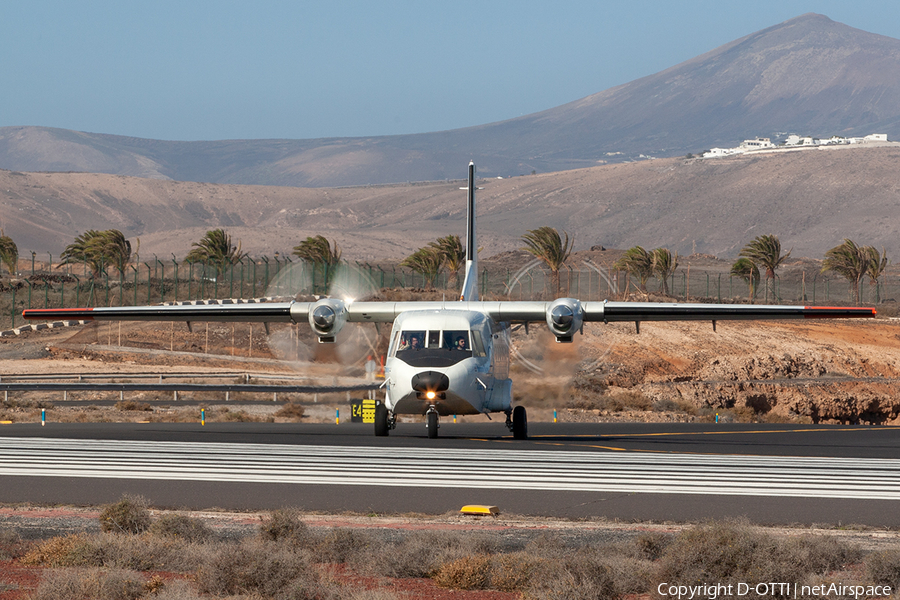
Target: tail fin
column 470, row 283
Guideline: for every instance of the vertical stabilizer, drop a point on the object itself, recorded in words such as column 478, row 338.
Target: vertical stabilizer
column 470, row 283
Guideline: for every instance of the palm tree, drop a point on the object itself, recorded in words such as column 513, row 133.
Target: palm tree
column 454, row 255
column 849, row 261
column 749, row 272
column 877, row 264
column 317, row 249
column 9, row 253
column 99, row 249
column 664, row 264
column 765, row 252
column 215, row 248
column 638, row 263
column 427, row 261
column 114, row 248
column 545, row 244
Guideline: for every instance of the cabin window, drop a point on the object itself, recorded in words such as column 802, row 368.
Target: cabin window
column 392, row 349
column 412, row 340
column 434, row 339
column 434, row 348
column 456, row 340
column 478, row 344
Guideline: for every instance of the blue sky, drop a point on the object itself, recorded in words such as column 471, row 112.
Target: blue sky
column 204, row 70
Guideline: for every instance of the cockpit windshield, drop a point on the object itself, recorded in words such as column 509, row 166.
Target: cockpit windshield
column 433, row 348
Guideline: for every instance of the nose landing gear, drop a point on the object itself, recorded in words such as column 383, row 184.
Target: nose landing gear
column 431, row 422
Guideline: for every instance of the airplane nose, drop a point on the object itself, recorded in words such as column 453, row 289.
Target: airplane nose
column 430, row 381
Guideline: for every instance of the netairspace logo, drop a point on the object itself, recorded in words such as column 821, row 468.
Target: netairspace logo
column 773, row 589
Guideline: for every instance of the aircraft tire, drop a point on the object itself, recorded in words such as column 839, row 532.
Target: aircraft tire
column 381, row 420
column 520, row 423
column 431, row 419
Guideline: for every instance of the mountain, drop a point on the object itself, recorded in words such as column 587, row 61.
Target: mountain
column 811, row 199
column 809, row 75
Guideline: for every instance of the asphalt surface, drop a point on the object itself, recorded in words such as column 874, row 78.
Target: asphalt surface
column 771, row 474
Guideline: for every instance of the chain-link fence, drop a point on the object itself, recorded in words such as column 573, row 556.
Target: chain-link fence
column 156, row 281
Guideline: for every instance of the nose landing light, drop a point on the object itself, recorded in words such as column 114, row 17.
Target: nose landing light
column 430, row 385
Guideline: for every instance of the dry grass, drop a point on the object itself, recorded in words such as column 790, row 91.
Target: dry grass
column 286, row 560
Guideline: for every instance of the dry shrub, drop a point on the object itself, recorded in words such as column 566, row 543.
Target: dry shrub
column 11, row 545
column 343, row 545
column 291, row 410
column 666, row 405
column 421, row 553
column 616, row 402
column 579, row 576
column 284, row 525
column 261, row 567
column 651, row 544
column 138, row 553
column 513, row 572
column 64, row 551
column 547, row 546
column 148, row 553
column 883, row 568
column 229, row 416
column 128, row 515
column 91, row 584
column 730, row 552
column 132, row 405
column 467, row 573
column 177, row 590
column 182, row 527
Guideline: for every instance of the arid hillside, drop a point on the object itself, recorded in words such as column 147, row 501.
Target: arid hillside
column 808, row 75
column 811, row 199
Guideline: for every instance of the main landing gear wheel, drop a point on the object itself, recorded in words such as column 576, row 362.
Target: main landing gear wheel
column 381, row 420
column 520, row 423
column 431, row 423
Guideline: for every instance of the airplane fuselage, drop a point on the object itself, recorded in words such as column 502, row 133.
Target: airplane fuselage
column 455, row 362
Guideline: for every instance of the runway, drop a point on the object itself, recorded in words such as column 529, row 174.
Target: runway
column 849, row 474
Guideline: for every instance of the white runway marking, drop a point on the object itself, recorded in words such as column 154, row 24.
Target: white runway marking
column 440, row 467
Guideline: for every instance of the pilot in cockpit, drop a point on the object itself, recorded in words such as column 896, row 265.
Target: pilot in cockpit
column 461, row 343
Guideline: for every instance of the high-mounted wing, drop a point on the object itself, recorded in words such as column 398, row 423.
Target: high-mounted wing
column 564, row 316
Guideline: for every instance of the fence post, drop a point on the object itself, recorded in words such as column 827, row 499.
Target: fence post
column 148, row 282
column 175, row 267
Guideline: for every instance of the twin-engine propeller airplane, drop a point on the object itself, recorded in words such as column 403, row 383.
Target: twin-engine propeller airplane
column 450, row 358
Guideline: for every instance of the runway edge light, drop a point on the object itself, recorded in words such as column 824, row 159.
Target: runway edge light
column 480, row 510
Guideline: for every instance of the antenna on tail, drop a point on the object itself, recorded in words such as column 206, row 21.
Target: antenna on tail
column 470, row 283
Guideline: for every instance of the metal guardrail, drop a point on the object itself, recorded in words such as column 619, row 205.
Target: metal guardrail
column 9, row 378
column 181, row 387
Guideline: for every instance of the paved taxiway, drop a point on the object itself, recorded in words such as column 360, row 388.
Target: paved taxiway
column 770, row 473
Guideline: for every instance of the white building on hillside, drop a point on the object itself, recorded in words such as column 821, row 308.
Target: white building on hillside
column 757, row 143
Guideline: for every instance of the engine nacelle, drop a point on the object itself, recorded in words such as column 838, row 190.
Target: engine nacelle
column 327, row 318
column 565, row 317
